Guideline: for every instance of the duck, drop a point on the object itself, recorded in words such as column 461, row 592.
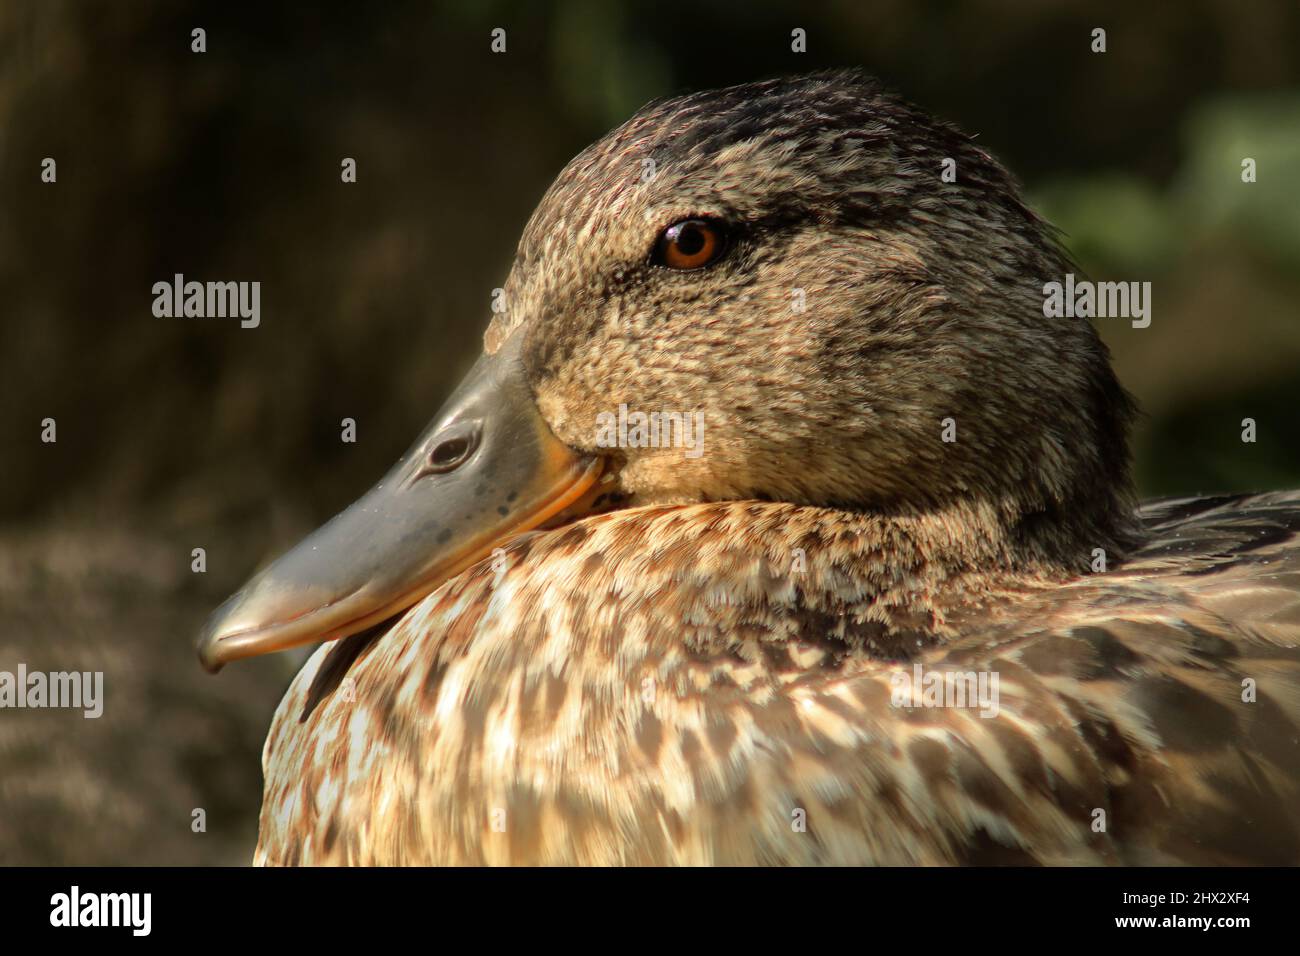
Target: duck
column 897, row 606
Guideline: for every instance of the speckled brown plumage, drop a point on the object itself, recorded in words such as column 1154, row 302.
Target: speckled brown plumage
column 680, row 679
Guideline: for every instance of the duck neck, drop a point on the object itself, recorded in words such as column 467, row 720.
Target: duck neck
column 884, row 585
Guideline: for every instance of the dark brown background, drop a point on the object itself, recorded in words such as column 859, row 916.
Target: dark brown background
column 176, row 433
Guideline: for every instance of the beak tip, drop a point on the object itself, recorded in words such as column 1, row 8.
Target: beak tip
column 207, row 653
column 208, row 646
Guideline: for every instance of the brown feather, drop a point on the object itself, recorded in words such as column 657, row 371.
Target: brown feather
column 668, row 683
column 1120, row 691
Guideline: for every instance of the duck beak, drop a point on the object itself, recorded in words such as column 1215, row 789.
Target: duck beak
column 486, row 468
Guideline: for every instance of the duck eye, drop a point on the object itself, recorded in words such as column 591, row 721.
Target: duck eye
column 689, row 244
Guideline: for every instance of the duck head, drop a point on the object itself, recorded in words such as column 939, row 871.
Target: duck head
column 787, row 263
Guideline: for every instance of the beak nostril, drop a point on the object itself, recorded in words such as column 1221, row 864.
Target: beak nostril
column 449, row 454
column 450, row 451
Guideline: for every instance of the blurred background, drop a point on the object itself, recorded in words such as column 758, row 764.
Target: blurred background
column 182, row 433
